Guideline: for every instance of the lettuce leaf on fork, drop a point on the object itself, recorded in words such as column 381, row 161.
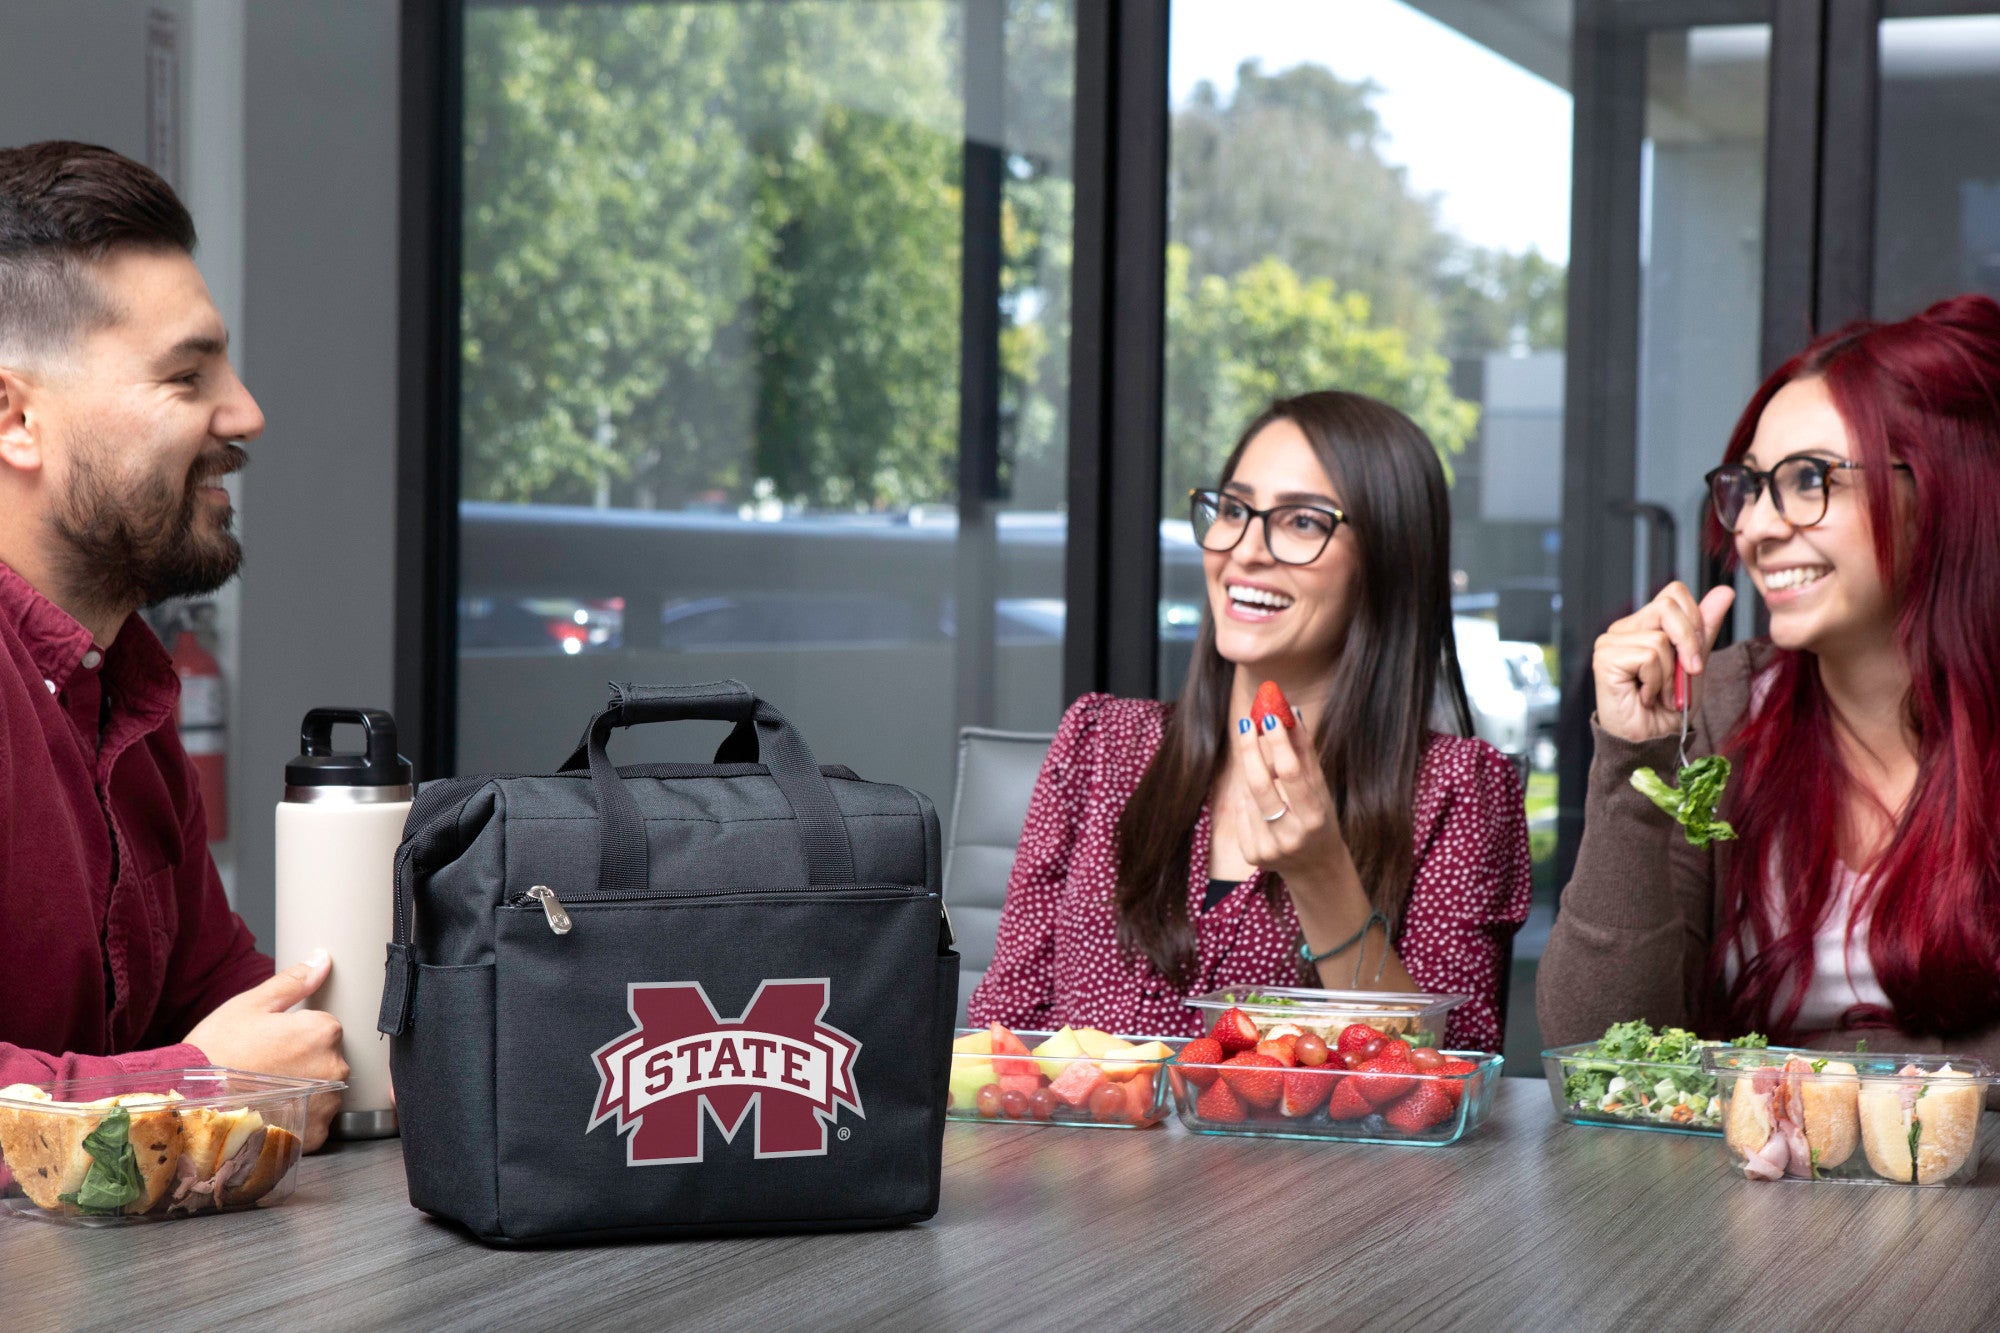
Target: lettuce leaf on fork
column 1693, row 803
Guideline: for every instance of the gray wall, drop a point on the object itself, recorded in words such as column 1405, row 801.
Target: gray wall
column 289, row 159
column 318, row 525
column 75, row 71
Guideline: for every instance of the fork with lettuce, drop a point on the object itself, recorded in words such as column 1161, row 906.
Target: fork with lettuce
column 1692, row 804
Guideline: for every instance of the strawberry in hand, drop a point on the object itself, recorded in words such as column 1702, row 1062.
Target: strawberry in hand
column 1271, row 702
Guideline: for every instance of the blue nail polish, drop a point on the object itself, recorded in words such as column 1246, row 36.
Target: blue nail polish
column 1243, row 726
column 1270, row 721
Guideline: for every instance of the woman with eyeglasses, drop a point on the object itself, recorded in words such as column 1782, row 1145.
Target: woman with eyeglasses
column 1861, row 494
column 1175, row 849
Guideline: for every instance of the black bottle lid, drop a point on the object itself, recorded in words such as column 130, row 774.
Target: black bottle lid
column 317, row 765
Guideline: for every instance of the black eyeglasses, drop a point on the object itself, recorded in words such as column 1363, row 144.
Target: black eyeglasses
column 1800, row 485
column 1293, row 534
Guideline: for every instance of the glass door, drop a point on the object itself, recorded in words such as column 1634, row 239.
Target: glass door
column 1375, row 196
column 1937, row 158
column 1676, row 294
column 1701, row 268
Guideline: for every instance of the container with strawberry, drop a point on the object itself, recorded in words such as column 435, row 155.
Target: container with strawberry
column 1352, row 1082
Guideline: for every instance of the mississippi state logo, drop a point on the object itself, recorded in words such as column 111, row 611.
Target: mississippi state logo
column 681, row 1056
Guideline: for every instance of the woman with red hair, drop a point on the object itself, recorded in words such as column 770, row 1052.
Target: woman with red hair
column 1861, row 895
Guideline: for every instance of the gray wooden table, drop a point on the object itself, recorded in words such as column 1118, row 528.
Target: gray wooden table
column 1528, row 1224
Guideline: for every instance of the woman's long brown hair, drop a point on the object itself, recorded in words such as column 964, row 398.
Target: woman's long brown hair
column 1372, row 725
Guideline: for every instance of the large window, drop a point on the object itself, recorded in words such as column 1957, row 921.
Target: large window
column 763, row 369
column 1363, row 197
column 763, row 353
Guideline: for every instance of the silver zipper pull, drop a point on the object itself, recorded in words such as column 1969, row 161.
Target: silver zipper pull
column 559, row 922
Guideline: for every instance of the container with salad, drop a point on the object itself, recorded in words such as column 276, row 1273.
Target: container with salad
column 1636, row 1078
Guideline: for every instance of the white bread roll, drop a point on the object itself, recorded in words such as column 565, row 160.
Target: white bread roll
column 1946, row 1117
column 1747, row 1127
column 1833, row 1115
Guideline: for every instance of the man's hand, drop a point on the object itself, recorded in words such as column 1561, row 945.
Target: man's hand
column 257, row 1031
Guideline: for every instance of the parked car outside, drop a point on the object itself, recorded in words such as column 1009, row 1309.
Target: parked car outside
column 1514, row 703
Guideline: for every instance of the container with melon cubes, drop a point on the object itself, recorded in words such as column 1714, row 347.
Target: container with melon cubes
column 1074, row 1076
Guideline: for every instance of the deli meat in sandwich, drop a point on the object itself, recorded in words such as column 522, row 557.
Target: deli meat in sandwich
column 232, row 1158
column 1794, row 1119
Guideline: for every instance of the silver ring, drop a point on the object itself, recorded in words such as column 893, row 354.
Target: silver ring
column 1283, row 810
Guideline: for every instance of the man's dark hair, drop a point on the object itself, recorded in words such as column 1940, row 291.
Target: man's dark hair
column 63, row 207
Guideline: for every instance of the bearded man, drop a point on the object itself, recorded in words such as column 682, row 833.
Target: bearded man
column 120, row 414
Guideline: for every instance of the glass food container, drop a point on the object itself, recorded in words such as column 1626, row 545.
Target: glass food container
column 1591, row 1089
column 1074, row 1076
column 1331, row 1102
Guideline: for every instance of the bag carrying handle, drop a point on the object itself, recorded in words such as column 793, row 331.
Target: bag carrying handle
column 624, row 862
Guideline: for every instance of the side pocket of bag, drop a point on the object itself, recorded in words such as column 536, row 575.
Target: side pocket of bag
column 944, row 1015
column 443, row 1069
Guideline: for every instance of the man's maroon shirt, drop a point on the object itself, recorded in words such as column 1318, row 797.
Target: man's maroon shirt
column 115, row 935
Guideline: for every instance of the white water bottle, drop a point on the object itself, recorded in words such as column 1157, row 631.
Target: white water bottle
column 338, row 829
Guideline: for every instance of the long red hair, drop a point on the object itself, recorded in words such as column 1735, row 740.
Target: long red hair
column 1924, row 392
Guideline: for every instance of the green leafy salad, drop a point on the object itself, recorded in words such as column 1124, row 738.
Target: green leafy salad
column 113, row 1179
column 1693, row 802
column 1635, row 1074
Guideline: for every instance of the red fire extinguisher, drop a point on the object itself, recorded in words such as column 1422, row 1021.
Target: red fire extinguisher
column 201, row 726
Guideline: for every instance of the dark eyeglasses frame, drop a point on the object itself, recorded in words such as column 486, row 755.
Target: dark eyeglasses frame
column 1195, row 499
column 1766, row 481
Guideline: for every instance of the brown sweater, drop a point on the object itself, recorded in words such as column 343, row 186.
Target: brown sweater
column 1637, row 919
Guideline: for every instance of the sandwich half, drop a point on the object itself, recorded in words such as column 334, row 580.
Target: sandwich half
column 232, row 1158
column 1921, row 1127
column 1795, row 1119
column 1829, row 1100
column 116, row 1155
column 43, row 1150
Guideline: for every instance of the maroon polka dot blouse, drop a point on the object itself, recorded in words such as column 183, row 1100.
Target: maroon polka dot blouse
column 1057, row 958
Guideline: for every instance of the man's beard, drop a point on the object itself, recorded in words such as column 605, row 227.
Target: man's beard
column 147, row 545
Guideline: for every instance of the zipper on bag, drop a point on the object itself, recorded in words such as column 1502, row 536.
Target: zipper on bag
column 560, row 923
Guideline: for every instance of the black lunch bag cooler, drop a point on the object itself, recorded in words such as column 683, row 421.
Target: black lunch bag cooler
column 671, row 999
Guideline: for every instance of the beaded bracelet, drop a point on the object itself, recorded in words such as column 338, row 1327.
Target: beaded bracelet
column 1311, row 959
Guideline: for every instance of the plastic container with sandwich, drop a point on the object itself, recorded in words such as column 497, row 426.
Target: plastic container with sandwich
column 1852, row 1118
column 148, row 1147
